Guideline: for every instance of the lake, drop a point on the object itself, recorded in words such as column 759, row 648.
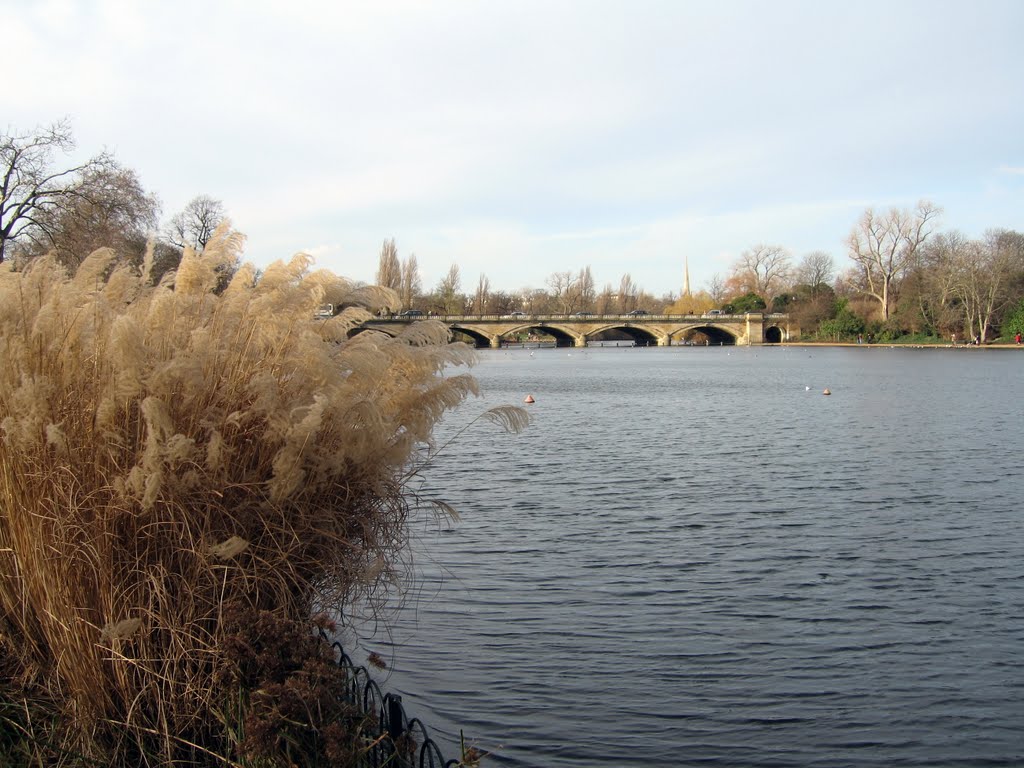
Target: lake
column 694, row 557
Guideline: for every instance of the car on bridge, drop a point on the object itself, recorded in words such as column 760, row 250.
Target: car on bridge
column 515, row 315
column 583, row 314
column 638, row 313
column 411, row 313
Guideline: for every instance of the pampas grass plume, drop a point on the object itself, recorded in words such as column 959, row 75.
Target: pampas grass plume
column 170, row 450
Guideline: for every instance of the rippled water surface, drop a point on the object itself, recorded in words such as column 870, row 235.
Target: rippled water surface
column 693, row 557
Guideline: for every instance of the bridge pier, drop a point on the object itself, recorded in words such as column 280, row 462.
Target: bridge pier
column 495, row 342
column 665, row 341
column 581, row 341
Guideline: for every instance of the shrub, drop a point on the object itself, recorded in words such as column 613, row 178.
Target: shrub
column 167, row 451
column 1014, row 322
column 748, row 302
column 844, row 325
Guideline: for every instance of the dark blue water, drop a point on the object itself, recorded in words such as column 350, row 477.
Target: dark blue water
column 693, row 557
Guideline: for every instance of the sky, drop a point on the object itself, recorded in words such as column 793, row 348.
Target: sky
column 518, row 139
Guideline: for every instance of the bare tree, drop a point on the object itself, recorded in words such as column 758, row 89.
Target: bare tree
column 535, row 301
column 33, row 191
column 563, row 291
column 762, row 269
column 503, row 303
column 389, row 269
column 815, row 269
column 109, row 209
column 627, row 293
column 716, row 288
column 605, row 302
column 193, row 226
column 411, row 285
column 932, row 279
column 983, row 274
column 885, row 245
column 448, row 292
column 585, row 288
column 483, row 293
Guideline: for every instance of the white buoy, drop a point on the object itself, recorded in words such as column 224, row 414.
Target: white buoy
column 827, row 392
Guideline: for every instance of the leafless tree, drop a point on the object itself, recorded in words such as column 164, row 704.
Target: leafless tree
column 389, row 269
column 983, row 274
column 585, row 288
column 535, row 301
column 483, row 293
column 109, row 209
column 503, row 303
column 885, row 245
column 605, row 302
column 564, row 292
column 448, row 292
column 816, row 268
column 716, row 288
column 33, row 192
column 762, row 269
column 931, row 280
column 411, row 285
column 194, row 226
column 628, row 291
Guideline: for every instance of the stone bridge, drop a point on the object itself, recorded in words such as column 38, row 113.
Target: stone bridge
column 576, row 330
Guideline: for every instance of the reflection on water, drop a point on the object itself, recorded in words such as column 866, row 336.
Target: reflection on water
column 693, row 557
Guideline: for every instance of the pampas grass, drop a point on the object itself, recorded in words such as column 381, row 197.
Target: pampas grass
column 167, row 451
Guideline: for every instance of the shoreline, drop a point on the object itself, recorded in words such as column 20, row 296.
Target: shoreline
column 895, row 345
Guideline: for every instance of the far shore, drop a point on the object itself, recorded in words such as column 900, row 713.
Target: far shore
column 894, row 344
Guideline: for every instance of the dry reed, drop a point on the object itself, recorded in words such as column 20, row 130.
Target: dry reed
column 169, row 451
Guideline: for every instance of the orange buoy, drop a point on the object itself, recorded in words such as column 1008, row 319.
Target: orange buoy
column 827, row 392
column 528, row 399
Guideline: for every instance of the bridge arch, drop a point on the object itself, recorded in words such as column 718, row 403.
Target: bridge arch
column 564, row 337
column 716, row 335
column 642, row 335
column 481, row 339
column 773, row 334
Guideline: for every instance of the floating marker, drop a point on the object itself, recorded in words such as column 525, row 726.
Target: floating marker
column 827, row 392
column 528, row 399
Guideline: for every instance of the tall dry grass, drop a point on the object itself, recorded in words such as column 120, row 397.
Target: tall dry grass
column 168, row 451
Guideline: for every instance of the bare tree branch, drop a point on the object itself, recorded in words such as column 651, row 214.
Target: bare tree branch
column 33, row 191
column 762, row 269
column 885, row 245
column 193, row 226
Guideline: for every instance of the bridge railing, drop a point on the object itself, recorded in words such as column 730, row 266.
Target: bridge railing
column 583, row 317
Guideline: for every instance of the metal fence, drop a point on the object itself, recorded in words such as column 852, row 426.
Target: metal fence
column 399, row 741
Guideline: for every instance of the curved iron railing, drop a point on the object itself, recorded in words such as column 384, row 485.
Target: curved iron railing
column 399, row 741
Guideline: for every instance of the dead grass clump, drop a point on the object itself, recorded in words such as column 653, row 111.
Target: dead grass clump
column 169, row 450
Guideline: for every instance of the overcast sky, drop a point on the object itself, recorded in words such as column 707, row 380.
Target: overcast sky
column 522, row 138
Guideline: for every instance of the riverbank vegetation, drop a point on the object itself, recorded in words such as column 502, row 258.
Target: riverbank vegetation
column 189, row 468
